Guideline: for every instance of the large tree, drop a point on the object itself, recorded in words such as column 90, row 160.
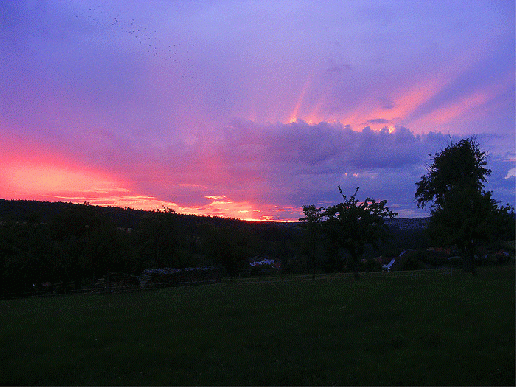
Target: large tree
column 351, row 225
column 463, row 214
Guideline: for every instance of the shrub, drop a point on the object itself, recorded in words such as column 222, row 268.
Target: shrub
column 371, row 265
column 411, row 260
column 435, row 258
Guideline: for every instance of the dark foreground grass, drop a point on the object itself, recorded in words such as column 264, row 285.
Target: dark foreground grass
column 427, row 328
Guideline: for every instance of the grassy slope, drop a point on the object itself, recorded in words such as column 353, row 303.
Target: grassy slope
column 421, row 329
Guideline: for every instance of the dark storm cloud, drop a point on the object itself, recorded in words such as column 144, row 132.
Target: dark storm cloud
column 310, row 146
column 298, row 161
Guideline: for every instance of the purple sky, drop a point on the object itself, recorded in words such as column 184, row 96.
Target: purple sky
column 249, row 109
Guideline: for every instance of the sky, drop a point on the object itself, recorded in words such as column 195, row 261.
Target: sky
column 250, row 109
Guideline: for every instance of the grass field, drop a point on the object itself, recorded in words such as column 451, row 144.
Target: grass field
column 421, row 328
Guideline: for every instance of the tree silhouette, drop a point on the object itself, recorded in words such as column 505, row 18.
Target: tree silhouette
column 462, row 212
column 226, row 246
column 351, row 225
column 313, row 222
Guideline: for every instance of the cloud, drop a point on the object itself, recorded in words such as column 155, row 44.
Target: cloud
column 378, row 121
column 323, row 146
column 291, row 164
column 263, row 104
column 469, row 96
column 299, row 163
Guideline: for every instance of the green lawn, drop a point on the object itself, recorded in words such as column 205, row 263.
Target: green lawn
column 424, row 328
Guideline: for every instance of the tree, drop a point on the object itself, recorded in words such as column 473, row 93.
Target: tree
column 84, row 241
column 226, row 245
column 312, row 220
column 463, row 214
column 158, row 240
column 351, row 225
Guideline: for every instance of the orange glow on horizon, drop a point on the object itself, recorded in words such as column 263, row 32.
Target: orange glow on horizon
column 46, row 178
column 53, row 182
column 30, row 172
column 226, row 208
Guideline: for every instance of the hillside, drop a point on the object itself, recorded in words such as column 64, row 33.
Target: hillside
column 29, row 210
column 60, row 242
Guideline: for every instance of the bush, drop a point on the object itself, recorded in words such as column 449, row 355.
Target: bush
column 411, row 260
column 434, row 258
column 370, row 265
column 455, row 261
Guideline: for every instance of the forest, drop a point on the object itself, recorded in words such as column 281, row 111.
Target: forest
column 76, row 245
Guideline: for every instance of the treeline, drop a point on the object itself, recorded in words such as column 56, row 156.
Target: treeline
column 77, row 244
column 44, row 242
column 62, row 242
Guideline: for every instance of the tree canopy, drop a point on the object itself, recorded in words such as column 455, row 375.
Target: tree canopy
column 462, row 212
column 459, row 166
column 351, row 225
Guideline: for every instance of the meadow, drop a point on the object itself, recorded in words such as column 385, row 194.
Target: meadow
column 407, row 328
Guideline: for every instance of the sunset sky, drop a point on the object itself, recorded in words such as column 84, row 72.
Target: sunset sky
column 249, row 109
